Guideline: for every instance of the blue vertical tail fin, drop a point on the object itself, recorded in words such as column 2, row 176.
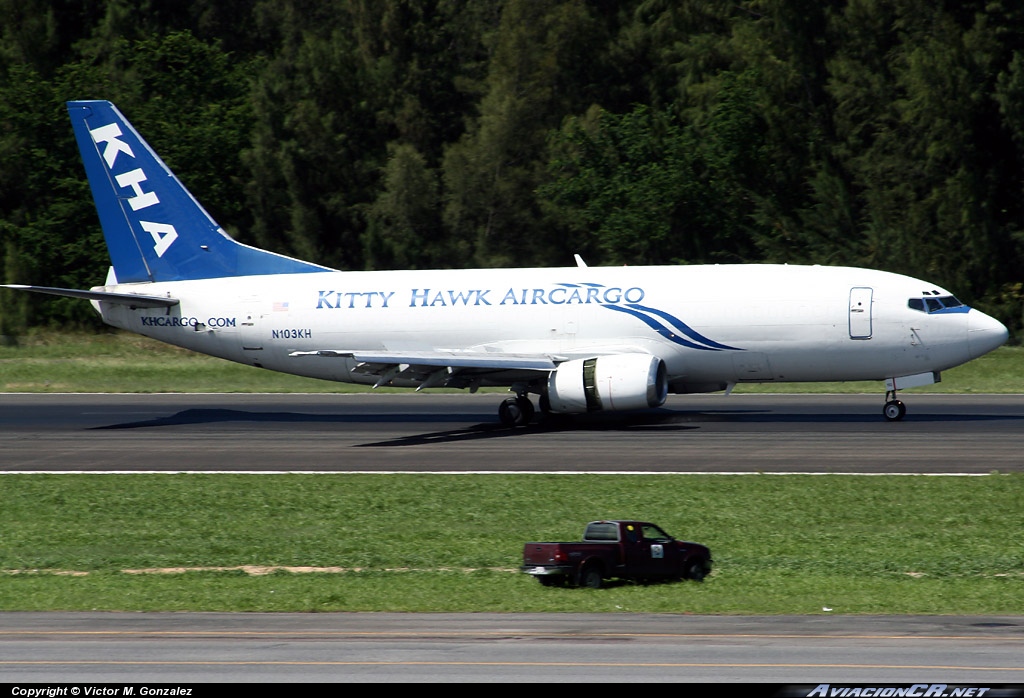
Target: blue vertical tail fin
column 154, row 228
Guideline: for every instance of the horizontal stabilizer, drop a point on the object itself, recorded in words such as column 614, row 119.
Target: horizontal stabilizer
column 130, row 299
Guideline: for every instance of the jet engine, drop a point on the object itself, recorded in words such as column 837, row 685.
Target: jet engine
column 610, row 382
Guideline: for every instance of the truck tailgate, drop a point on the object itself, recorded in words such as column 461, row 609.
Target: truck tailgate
column 541, row 554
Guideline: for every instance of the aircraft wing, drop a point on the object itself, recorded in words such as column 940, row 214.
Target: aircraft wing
column 130, row 299
column 429, row 369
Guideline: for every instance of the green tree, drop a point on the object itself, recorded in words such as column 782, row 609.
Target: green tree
column 46, row 230
column 404, row 221
column 619, row 184
column 492, row 172
column 929, row 159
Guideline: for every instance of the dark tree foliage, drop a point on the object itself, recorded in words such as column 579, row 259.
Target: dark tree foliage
column 453, row 133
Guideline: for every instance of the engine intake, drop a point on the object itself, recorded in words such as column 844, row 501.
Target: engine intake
column 606, row 383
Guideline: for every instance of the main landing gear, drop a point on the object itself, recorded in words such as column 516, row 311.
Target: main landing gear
column 894, row 410
column 516, row 411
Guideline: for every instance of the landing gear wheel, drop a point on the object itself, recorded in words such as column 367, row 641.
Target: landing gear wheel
column 894, row 410
column 516, row 411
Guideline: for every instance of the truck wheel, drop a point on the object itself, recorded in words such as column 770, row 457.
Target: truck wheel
column 696, row 571
column 590, row 577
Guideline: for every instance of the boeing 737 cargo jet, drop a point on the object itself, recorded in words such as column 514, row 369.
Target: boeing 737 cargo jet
column 582, row 339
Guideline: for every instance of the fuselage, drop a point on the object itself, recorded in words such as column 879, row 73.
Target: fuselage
column 711, row 325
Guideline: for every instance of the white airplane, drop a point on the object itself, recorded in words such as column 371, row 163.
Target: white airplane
column 583, row 339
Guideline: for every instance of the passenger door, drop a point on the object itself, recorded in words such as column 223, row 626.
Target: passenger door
column 860, row 312
column 649, row 551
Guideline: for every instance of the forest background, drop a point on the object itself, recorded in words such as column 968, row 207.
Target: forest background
column 379, row 134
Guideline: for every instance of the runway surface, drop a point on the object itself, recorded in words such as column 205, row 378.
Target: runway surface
column 170, row 648
column 377, row 432
column 418, row 432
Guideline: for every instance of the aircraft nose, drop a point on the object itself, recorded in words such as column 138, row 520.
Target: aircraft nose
column 984, row 333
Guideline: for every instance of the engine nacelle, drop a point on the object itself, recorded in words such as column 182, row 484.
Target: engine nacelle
column 611, row 382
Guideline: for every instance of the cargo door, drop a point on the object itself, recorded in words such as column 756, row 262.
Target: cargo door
column 860, row 312
column 250, row 329
column 752, row 366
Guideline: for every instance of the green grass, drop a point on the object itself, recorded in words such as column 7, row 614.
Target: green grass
column 47, row 362
column 782, row 544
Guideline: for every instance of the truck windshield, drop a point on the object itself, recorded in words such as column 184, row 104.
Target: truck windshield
column 652, row 532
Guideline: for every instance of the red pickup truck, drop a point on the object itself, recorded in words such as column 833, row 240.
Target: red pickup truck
column 622, row 549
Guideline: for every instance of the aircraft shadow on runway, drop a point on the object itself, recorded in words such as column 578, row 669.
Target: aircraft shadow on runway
column 660, row 420
column 214, row 416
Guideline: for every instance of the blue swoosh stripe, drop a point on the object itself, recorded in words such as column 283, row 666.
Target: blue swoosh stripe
column 659, row 328
column 682, row 327
column 643, row 313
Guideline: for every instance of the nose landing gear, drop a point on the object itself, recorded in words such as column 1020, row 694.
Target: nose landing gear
column 894, row 410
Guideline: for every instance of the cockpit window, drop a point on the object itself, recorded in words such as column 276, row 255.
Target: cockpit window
column 937, row 304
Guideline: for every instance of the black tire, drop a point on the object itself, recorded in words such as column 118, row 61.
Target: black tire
column 590, row 577
column 516, row 411
column 697, row 570
column 894, row 410
column 509, row 413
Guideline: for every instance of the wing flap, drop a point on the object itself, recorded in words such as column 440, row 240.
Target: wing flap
column 379, row 360
column 429, row 369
